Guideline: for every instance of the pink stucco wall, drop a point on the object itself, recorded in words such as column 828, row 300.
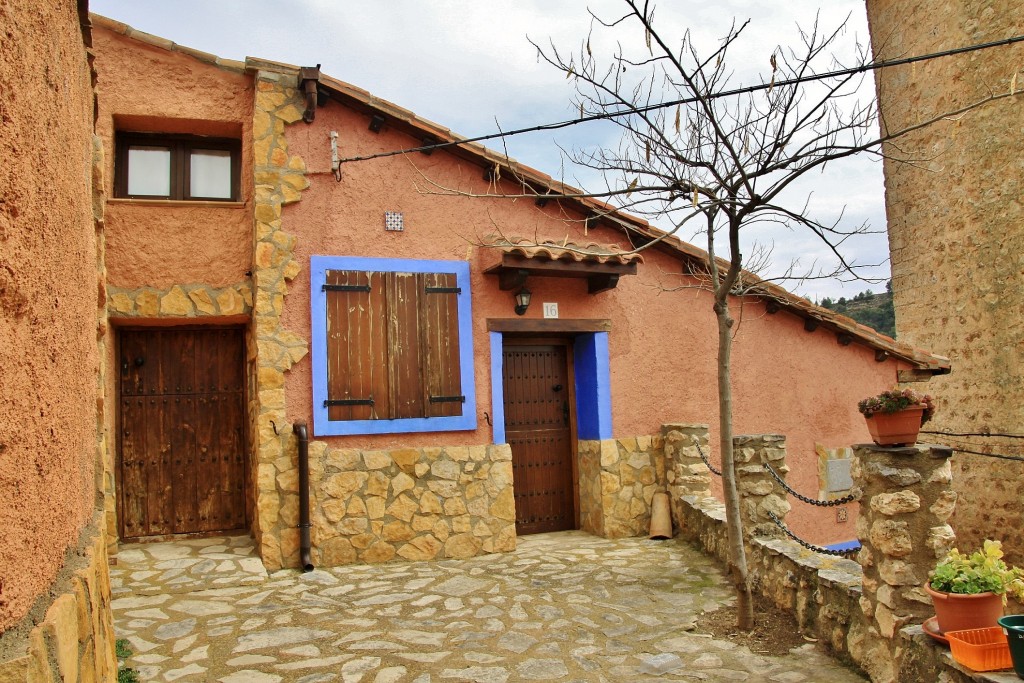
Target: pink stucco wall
column 159, row 244
column 48, row 300
column 662, row 344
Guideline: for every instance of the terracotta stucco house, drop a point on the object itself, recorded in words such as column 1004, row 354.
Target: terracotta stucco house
column 253, row 283
column 185, row 277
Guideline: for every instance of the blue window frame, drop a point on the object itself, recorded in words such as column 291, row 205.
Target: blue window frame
column 413, row 362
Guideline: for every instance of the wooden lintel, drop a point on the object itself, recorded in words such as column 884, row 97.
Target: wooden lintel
column 514, row 269
column 548, row 268
column 602, row 283
column 881, row 356
column 810, row 324
column 548, row 325
column 844, row 338
column 512, row 278
column 914, row 375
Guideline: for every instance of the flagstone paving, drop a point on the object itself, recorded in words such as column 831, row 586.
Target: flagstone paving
column 562, row 607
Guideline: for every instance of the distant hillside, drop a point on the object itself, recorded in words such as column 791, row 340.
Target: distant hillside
column 868, row 308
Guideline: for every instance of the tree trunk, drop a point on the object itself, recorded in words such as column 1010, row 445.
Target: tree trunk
column 734, row 523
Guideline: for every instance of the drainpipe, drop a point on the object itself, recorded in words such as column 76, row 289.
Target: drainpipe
column 305, row 558
column 309, row 76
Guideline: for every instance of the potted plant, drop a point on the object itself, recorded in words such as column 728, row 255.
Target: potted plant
column 969, row 591
column 894, row 417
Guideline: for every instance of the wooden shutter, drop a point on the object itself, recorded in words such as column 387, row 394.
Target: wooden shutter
column 404, row 345
column 357, row 380
column 440, row 339
column 392, row 345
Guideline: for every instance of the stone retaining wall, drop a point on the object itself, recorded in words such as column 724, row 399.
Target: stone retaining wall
column 404, row 504
column 821, row 591
column 866, row 612
column 618, row 480
column 903, row 531
column 75, row 639
column 760, row 495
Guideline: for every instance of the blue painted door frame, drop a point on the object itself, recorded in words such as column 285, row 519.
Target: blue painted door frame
column 593, row 386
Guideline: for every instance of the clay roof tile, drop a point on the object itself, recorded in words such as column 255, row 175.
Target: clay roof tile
column 551, row 250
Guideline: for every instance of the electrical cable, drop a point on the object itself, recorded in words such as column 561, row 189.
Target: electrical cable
column 871, row 66
column 952, row 443
column 981, row 434
column 1001, row 456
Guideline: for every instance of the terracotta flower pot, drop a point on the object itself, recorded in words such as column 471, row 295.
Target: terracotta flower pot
column 895, row 429
column 956, row 612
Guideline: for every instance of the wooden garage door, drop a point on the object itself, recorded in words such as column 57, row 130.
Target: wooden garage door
column 538, row 428
column 182, row 448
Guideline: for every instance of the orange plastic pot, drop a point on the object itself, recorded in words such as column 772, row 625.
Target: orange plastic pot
column 895, row 429
column 956, row 612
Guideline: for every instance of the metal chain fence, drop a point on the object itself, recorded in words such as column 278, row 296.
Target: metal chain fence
column 804, row 499
column 811, row 501
column 849, row 552
column 707, row 462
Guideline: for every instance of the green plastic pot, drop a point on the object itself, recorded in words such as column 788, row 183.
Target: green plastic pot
column 1013, row 627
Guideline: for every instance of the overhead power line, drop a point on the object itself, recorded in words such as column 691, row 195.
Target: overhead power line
column 986, row 435
column 1000, row 456
column 872, row 66
column 964, row 446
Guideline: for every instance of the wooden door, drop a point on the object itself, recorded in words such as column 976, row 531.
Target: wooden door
column 538, row 427
column 182, row 447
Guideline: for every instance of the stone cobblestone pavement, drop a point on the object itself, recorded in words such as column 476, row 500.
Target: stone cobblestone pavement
column 562, row 607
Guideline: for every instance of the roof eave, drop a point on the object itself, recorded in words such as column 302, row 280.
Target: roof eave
column 635, row 228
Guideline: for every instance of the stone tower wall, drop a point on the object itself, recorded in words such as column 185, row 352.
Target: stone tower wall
column 956, row 232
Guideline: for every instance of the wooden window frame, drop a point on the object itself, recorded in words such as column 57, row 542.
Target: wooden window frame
column 181, row 148
column 322, row 424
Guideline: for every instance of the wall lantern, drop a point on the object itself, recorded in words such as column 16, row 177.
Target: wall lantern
column 522, row 300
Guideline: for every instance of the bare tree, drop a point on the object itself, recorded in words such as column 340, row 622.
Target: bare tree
column 696, row 150
column 722, row 159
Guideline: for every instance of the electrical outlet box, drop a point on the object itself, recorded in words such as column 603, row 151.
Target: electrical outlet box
column 841, row 514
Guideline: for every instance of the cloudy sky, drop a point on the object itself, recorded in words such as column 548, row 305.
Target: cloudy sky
column 467, row 65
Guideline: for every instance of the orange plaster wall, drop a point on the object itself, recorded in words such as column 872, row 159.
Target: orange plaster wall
column 663, row 344
column 48, row 299
column 159, row 244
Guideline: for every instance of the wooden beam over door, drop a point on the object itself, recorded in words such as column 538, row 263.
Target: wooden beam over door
column 548, row 325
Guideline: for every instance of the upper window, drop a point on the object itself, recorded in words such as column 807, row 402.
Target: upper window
column 392, row 346
column 151, row 166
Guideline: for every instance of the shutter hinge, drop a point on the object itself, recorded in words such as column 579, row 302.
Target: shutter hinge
column 447, row 399
column 348, row 402
column 346, row 288
column 443, row 290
